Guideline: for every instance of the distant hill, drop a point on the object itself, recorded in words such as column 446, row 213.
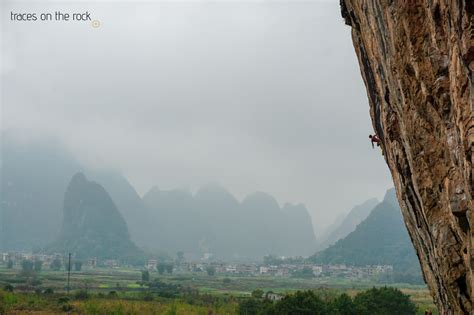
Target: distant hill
column 348, row 224
column 34, row 177
column 92, row 226
column 213, row 221
column 128, row 202
column 36, row 174
column 381, row 238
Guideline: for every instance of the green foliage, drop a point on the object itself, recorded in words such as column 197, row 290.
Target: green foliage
column 8, row 287
column 169, row 268
column 27, row 266
column 305, row 273
column 371, row 302
column 384, row 301
column 226, row 280
column 48, row 291
column 163, row 289
column 55, row 264
column 211, row 270
column 145, row 275
column 257, row 293
column 161, row 267
column 78, row 265
column 38, row 265
column 302, row 303
column 342, row 305
column 81, row 295
column 10, row 264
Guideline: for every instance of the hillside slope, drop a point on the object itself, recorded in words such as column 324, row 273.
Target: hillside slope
column 357, row 214
column 92, row 225
column 381, row 239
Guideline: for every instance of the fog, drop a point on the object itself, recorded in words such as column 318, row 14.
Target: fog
column 256, row 95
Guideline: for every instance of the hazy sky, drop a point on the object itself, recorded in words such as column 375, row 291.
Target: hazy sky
column 255, row 95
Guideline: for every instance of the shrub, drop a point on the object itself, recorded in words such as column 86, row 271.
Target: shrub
column 81, row 295
column 48, row 291
column 384, row 301
column 8, row 288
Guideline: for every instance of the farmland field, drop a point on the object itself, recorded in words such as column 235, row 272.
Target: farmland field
column 121, row 291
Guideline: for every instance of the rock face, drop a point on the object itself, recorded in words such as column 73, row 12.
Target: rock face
column 92, row 225
column 417, row 58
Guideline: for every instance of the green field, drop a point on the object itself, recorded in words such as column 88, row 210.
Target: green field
column 120, row 291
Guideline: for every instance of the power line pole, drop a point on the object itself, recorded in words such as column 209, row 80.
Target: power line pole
column 68, row 273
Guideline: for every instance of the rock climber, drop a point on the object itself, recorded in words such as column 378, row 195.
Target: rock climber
column 374, row 139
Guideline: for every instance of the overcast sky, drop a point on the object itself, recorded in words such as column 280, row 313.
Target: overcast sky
column 255, row 95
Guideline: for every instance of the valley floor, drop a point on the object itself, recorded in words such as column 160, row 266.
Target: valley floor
column 122, row 291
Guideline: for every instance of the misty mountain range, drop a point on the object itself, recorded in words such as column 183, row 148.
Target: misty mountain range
column 380, row 239
column 346, row 224
column 35, row 178
column 50, row 202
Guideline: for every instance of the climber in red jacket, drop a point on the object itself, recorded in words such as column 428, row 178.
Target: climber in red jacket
column 374, row 139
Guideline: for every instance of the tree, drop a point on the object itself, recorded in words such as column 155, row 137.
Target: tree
column 10, row 264
column 302, row 303
column 169, row 268
column 27, row 268
column 250, row 307
column 211, row 270
column 55, row 264
column 77, row 265
column 161, row 268
column 145, row 276
column 383, row 301
column 342, row 305
column 27, row 265
column 38, row 265
column 257, row 293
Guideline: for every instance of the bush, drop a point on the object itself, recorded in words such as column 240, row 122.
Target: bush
column 67, row 308
column 8, row 288
column 384, row 301
column 49, row 291
column 81, row 295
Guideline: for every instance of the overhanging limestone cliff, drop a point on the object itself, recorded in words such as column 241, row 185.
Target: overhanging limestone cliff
column 417, row 58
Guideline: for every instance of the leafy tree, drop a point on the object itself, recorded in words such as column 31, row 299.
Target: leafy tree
column 38, row 265
column 257, row 293
column 211, row 270
column 145, row 275
column 301, row 303
column 306, row 272
column 55, row 264
column 250, row 307
column 342, row 305
column 27, row 265
column 169, row 268
column 226, row 280
column 78, row 265
column 8, row 287
column 384, row 301
column 161, row 267
column 10, row 264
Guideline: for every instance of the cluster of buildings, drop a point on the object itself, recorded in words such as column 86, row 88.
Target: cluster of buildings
column 17, row 257
column 283, row 270
column 221, row 268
